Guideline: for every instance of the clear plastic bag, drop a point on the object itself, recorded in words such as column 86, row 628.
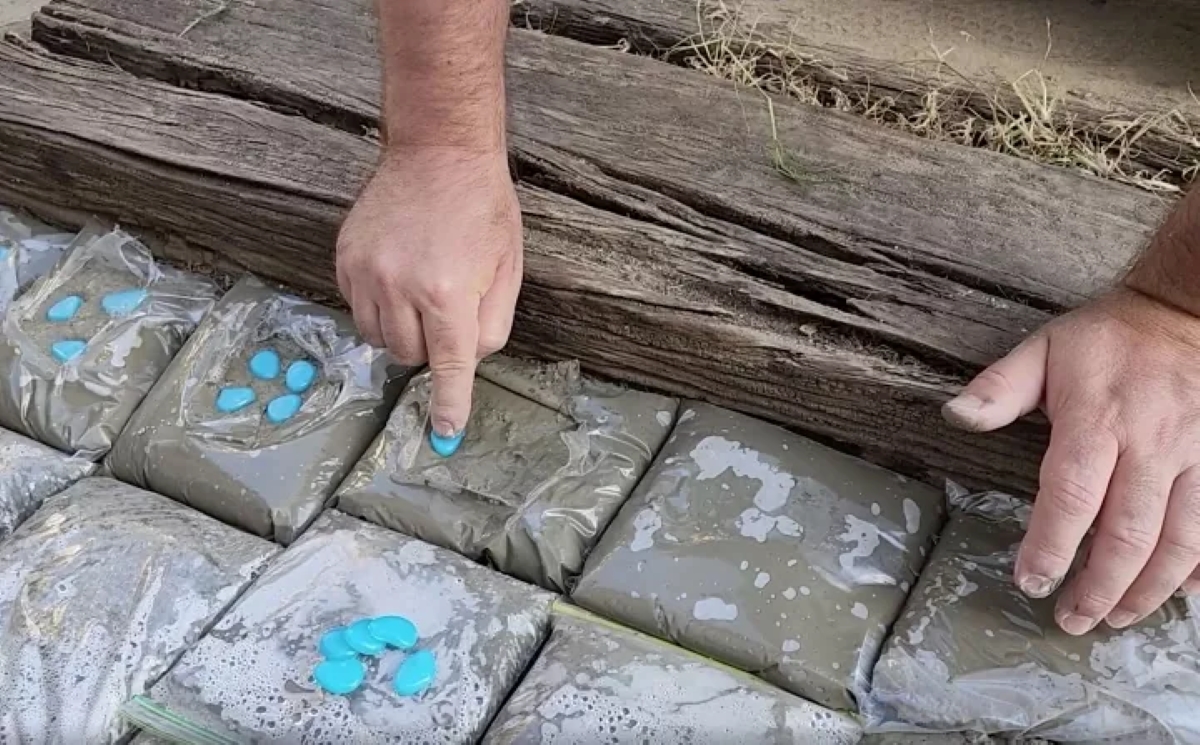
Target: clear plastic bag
column 597, row 682
column 29, row 473
column 78, row 404
column 766, row 551
column 100, row 592
column 29, row 249
column 971, row 652
column 548, row 460
column 271, row 479
column 250, row 678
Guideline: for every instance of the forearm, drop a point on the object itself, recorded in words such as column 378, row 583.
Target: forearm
column 443, row 73
column 1169, row 270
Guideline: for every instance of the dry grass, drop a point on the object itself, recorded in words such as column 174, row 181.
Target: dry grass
column 1026, row 118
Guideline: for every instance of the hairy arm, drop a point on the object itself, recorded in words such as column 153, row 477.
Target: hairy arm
column 443, row 72
column 430, row 258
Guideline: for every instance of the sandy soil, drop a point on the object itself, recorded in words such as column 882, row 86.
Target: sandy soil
column 14, row 14
column 1140, row 54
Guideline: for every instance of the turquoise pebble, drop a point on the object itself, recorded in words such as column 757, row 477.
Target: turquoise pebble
column 283, row 408
column 230, row 400
column 67, row 350
column 4, row 252
column 65, row 309
column 395, row 631
column 117, row 304
column 445, row 446
column 416, row 673
column 300, row 376
column 333, row 645
column 340, row 677
column 358, row 637
column 265, row 364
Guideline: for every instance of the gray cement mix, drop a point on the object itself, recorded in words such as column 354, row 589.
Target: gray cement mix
column 29, row 473
column 250, row 679
column 101, row 591
column 970, row 652
column 81, row 406
column 597, row 683
column 272, row 480
column 29, row 249
column 766, row 551
column 549, row 458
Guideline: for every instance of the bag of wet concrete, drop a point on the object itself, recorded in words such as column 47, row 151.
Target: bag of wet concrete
column 971, row 652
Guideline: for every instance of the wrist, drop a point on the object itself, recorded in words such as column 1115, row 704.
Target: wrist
column 1169, row 270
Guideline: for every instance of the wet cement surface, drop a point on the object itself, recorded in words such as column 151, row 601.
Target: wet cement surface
column 101, row 591
column 270, row 479
column 81, row 406
column 596, row 683
column 250, row 678
column 549, row 458
column 29, row 473
column 971, row 652
column 766, row 551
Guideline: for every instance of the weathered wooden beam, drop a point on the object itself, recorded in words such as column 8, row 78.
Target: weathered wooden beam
column 741, row 319
column 870, row 196
column 677, row 29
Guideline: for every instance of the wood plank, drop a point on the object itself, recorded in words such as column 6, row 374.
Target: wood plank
column 883, row 199
column 668, row 28
column 672, row 303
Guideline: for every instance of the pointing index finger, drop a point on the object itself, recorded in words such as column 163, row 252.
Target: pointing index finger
column 452, row 337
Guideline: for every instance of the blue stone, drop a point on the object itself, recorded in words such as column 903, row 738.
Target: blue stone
column 358, row 637
column 283, row 408
column 416, row 673
column 301, row 374
column 395, row 631
column 67, row 350
column 117, row 304
column 265, row 364
column 4, row 252
column 230, row 400
column 65, row 309
column 333, row 645
column 445, row 446
column 340, row 677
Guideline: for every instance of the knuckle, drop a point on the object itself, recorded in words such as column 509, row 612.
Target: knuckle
column 452, row 366
column 1180, row 548
column 1071, row 498
column 1094, row 602
column 1043, row 555
column 492, row 342
column 1130, row 540
column 442, row 293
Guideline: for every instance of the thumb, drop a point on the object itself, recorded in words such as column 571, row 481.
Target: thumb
column 1009, row 389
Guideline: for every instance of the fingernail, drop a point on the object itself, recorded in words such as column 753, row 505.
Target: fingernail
column 1191, row 587
column 963, row 410
column 1037, row 586
column 1074, row 624
column 1119, row 619
column 445, row 446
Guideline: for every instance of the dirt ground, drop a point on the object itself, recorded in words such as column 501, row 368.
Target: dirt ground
column 14, row 14
column 1140, row 54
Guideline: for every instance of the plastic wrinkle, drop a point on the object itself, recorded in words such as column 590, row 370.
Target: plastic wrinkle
column 102, row 589
column 270, row 468
column 246, row 686
column 82, row 406
column 970, row 652
column 594, row 678
column 548, row 458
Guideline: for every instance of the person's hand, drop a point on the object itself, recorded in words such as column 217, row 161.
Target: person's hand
column 430, row 262
column 1120, row 382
